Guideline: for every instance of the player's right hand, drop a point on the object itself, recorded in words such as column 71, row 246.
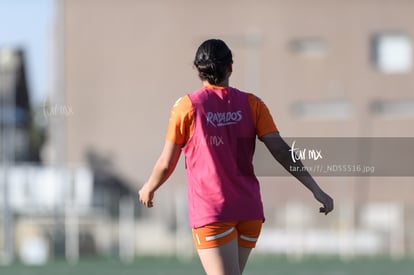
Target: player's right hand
column 146, row 196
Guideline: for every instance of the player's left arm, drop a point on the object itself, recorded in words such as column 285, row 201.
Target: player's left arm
column 162, row 170
column 281, row 152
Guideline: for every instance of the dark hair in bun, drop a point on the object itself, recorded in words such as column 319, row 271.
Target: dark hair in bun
column 212, row 60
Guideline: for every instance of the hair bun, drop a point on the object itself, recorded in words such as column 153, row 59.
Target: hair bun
column 212, row 60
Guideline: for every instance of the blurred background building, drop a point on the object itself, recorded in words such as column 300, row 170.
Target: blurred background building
column 324, row 68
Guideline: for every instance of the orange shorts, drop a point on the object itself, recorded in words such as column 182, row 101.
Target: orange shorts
column 216, row 234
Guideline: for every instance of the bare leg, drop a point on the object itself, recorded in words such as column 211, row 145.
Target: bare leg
column 244, row 253
column 222, row 260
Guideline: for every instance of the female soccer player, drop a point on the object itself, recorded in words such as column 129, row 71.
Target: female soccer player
column 216, row 128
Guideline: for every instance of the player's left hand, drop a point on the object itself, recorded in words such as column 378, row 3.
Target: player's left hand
column 326, row 200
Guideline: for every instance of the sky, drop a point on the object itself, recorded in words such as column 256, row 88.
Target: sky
column 27, row 24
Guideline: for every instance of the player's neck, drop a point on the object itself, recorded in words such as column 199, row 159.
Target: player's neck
column 224, row 83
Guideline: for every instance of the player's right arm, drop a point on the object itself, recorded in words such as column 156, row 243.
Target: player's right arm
column 163, row 168
column 179, row 126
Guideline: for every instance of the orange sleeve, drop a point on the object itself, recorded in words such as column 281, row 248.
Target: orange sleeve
column 262, row 118
column 181, row 121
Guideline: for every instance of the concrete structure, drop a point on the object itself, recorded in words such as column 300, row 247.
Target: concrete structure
column 321, row 66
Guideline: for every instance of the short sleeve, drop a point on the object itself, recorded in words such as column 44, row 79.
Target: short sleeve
column 262, row 118
column 181, row 121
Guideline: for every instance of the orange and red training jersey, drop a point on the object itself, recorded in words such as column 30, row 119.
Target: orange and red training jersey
column 181, row 123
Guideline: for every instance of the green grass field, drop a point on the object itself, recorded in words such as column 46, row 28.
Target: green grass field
column 257, row 265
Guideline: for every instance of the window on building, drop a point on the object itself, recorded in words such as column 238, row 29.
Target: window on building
column 326, row 109
column 309, row 47
column 393, row 53
column 393, row 108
